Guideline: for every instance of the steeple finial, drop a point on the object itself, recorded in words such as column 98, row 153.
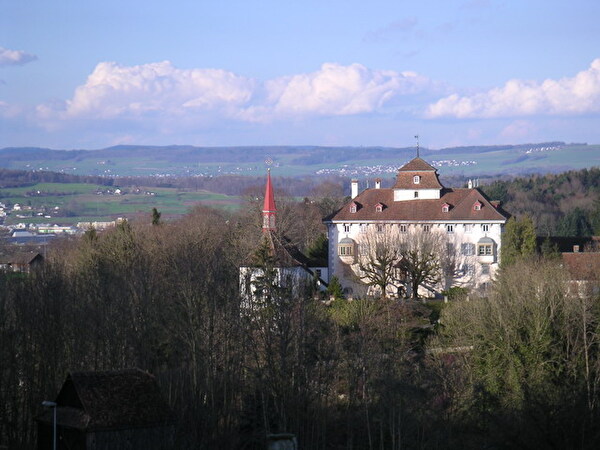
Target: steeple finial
column 269, row 208
column 417, row 138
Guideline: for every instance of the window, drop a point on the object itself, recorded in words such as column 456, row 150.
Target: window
column 362, row 228
column 468, row 269
column 485, row 227
column 379, row 228
column 450, row 228
column 485, row 269
column 353, row 208
column 378, row 207
column 468, row 227
column 477, row 206
column 403, row 228
column 346, row 247
column 346, row 228
column 318, row 272
column 467, row 249
column 416, row 194
column 426, row 227
column 346, row 250
column 485, row 250
column 445, row 207
column 416, row 179
column 450, row 248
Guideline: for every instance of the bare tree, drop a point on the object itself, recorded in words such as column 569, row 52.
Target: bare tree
column 404, row 259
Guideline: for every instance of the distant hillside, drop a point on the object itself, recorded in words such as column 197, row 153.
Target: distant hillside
column 182, row 160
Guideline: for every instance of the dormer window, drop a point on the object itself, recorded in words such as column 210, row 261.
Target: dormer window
column 477, row 206
column 353, row 207
column 445, row 207
column 416, row 179
column 379, row 207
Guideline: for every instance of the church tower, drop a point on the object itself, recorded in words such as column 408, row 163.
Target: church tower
column 269, row 208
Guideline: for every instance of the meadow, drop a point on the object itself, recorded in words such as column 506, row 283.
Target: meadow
column 68, row 203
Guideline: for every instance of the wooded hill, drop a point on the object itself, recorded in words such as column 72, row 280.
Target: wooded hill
column 565, row 204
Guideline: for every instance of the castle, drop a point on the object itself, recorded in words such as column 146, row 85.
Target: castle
column 459, row 230
column 417, row 205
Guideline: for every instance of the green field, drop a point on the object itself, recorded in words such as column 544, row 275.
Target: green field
column 80, row 202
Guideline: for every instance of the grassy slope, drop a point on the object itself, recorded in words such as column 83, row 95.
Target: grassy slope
column 82, row 199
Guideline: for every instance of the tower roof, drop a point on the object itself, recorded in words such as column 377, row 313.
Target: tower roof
column 417, row 168
column 269, row 204
column 417, row 165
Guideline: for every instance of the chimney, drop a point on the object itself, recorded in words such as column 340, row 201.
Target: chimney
column 470, row 184
column 354, row 190
column 576, row 249
column 377, row 183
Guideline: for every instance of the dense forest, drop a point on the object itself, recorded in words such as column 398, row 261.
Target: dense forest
column 565, row 204
column 519, row 368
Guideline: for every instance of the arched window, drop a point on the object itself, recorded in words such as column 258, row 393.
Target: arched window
column 485, row 247
column 416, row 179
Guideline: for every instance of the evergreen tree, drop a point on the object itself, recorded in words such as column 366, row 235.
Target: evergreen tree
column 155, row 217
column 518, row 240
column 334, row 289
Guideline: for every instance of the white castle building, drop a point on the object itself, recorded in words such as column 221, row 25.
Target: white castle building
column 471, row 225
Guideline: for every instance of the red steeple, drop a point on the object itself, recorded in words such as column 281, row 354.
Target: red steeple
column 269, row 208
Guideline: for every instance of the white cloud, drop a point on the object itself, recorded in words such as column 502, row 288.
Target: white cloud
column 341, row 90
column 113, row 91
column 160, row 90
column 14, row 57
column 571, row 96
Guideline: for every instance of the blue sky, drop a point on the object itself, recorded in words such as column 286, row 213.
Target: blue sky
column 88, row 75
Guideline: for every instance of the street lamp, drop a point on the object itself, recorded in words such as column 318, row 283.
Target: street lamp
column 53, row 405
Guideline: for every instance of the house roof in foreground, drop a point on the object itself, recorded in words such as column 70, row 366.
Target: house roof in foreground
column 119, row 399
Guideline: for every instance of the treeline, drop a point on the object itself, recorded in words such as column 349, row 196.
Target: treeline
column 20, row 178
column 517, row 369
column 564, row 204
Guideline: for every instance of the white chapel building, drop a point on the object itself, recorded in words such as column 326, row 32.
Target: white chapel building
column 472, row 225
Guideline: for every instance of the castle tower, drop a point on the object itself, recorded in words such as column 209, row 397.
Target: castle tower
column 269, row 208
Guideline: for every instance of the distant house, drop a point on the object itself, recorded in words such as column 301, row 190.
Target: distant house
column 582, row 264
column 114, row 410
column 22, row 237
column 23, row 262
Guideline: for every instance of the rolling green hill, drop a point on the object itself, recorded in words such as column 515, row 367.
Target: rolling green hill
column 300, row 160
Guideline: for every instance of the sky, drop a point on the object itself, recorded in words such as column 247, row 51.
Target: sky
column 89, row 74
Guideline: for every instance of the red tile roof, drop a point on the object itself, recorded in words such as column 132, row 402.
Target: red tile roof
column 582, row 265
column 417, row 165
column 461, row 203
column 429, row 180
column 426, row 172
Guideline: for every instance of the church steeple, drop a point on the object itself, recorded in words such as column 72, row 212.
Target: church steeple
column 269, row 208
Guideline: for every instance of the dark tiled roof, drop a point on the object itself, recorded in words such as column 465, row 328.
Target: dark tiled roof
column 19, row 258
column 110, row 400
column 461, row 203
column 566, row 243
column 416, row 165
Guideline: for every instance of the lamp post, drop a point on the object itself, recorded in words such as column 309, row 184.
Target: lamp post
column 53, row 405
